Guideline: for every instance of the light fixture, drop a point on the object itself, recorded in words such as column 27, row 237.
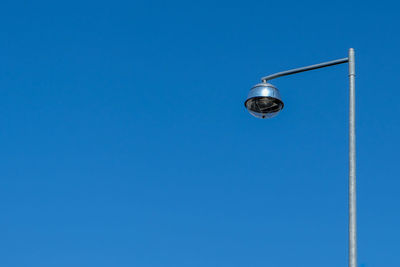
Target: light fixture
column 264, row 101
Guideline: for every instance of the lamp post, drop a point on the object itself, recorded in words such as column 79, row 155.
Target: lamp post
column 264, row 101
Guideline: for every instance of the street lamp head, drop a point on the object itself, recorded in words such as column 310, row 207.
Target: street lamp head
column 264, row 101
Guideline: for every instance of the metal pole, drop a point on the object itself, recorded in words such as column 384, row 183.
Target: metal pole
column 352, row 165
column 352, row 143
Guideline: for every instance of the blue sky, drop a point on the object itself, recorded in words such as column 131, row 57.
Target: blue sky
column 124, row 139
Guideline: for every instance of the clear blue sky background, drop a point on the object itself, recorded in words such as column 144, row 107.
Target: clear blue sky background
column 124, row 140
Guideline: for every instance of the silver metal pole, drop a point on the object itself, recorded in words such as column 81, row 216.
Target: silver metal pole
column 352, row 164
column 352, row 143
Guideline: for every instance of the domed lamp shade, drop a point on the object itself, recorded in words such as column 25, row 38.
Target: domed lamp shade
column 264, row 101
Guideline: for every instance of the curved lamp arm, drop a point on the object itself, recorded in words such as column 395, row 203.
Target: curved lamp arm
column 307, row 68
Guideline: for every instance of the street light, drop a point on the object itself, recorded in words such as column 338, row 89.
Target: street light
column 264, row 101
